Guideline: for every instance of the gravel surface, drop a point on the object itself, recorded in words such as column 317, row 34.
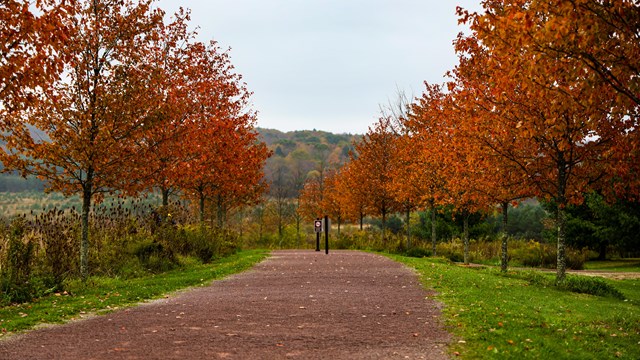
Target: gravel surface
column 296, row 304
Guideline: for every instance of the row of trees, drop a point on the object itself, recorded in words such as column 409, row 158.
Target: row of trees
column 543, row 103
column 111, row 96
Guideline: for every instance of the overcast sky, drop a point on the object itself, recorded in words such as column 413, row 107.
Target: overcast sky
column 330, row 64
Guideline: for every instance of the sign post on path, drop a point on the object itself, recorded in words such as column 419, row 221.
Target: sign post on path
column 326, row 234
column 317, row 226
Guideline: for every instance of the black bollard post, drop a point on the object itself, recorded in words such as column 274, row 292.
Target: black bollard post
column 326, row 234
column 317, row 241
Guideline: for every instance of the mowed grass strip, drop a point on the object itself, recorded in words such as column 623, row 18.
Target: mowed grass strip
column 623, row 265
column 498, row 317
column 100, row 295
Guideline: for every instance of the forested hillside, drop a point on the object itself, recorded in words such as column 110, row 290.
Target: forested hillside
column 13, row 182
column 295, row 153
column 300, row 154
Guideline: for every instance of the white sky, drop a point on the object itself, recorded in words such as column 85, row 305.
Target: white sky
column 329, row 64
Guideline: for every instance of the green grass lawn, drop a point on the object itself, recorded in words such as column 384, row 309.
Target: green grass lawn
column 498, row 317
column 101, row 295
column 625, row 265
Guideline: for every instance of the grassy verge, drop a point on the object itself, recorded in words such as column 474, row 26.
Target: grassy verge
column 625, row 265
column 100, row 295
column 498, row 317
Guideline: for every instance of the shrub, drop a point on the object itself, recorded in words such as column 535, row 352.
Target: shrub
column 155, row 257
column 533, row 254
column 453, row 250
column 59, row 235
column 575, row 259
column 574, row 283
column 590, row 285
column 18, row 261
column 418, row 252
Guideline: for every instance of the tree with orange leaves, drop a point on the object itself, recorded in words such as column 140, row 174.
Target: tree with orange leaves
column 174, row 62
column 334, row 199
column 352, row 197
column 355, row 197
column 311, row 200
column 243, row 182
column 499, row 179
column 420, row 177
column 87, row 122
column 374, row 169
column 437, row 123
column 566, row 124
column 30, row 44
column 220, row 144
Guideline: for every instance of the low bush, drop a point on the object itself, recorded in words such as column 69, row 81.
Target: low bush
column 418, row 252
column 590, row 285
column 574, row 283
column 39, row 253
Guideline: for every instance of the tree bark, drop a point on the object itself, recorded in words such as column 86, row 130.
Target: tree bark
column 602, row 253
column 433, row 229
column 505, row 220
column 408, row 228
column 84, row 242
column 384, row 222
column 201, row 195
column 298, row 238
column 465, row 224
column 221, row 212
column 561, row 222
column 165, row 196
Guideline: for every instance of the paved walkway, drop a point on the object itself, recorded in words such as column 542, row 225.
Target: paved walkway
column 296, row 304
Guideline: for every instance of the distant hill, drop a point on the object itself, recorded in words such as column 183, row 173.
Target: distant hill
column 312, row 143
column 297, row 154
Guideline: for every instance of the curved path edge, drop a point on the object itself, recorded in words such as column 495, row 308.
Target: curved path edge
column 295, row 304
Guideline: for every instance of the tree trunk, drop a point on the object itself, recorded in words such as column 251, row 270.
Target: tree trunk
column 408, row 228
column 465, row 224
column 221, row 213
column 384, row 222
column 602, row 254
column 298, row 238
column 84, row 242
column 361, row 221
column 165, row 196
column 561, row 221
column 433, row 229
column 505, row 237
column 201, row 194
column 280, row 227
